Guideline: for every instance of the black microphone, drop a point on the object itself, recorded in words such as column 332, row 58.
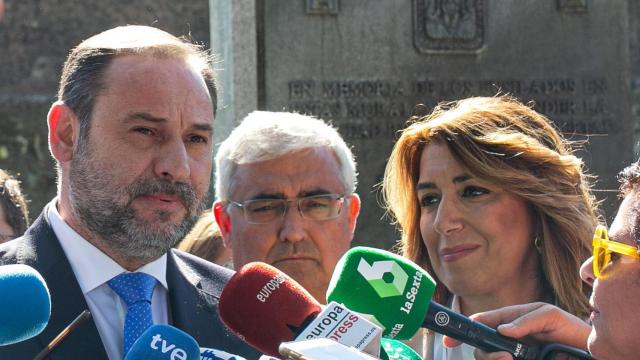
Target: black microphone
column 79, row 320
column 448, row 322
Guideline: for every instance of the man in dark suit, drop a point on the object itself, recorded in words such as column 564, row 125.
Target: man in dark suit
column 131, row 133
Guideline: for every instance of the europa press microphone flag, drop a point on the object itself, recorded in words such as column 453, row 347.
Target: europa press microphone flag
column 266, row 307
column 397, row 293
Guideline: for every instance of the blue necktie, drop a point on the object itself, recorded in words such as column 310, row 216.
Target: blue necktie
column 135, row 289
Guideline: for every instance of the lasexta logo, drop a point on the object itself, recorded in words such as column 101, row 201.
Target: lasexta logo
column 386, row 277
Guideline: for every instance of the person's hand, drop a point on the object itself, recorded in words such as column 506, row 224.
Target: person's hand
column 540, row 322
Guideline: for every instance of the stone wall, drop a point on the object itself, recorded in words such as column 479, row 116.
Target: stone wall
column 35, row 38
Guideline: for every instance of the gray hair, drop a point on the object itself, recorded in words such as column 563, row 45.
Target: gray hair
column 266, row 135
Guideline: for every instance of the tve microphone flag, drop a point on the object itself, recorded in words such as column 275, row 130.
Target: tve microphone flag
column 25, row 303
column 164, row 342
column 397, row 293
column 266, row 307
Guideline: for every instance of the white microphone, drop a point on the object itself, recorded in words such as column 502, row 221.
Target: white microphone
column 215, row 354
column 342, row 325
column 321, row 349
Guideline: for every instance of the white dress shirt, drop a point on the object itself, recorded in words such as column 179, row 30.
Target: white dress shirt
column 93, row 269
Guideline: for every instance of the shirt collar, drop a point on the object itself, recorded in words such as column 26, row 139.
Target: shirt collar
column 91, row 266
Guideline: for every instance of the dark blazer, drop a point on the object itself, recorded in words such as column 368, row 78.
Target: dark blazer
column 194, row 290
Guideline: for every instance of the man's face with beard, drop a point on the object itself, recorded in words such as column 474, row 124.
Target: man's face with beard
column 139, row 179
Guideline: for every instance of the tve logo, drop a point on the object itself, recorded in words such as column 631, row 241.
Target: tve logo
column 164, row 342
column 159, row 344
column 386, row 277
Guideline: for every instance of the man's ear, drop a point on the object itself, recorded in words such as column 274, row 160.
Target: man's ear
column 64, row 129
column 354, row 211
column 224, row 222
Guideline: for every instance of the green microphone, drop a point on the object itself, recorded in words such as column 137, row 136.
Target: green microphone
column 388, row 287
column 397, row 294
column 396, row 350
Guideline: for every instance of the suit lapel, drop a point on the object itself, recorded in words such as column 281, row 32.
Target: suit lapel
column 195, row 286
column 67, row 300
column 192, row 307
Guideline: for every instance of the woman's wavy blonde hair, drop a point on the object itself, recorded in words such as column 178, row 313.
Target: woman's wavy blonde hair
column 500, row 140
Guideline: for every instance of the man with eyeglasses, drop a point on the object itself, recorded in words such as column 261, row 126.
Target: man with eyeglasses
column 285, row 187
column 614, row 273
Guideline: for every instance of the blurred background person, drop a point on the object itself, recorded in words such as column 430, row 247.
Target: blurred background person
column 614, row 273
column 494, row 205
column 205, row 241
column 14, row 215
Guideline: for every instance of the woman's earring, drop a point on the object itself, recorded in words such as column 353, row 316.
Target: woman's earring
column 538, row 243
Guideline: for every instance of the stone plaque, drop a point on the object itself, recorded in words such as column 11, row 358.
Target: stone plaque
column 448, row 25
column 367, row 68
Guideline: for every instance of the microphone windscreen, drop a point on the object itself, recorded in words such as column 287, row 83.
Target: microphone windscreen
column 25, row 303
column 396, row 350
column 392, row 289
column 164, row 342
column 265, row 307
column 215, row 354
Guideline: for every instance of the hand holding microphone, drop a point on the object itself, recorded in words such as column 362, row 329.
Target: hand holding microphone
column 538, row 321
column 25, row 303
column 397, row 293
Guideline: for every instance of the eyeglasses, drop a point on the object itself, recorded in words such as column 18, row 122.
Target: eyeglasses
column 603, row 247
column 318, row 207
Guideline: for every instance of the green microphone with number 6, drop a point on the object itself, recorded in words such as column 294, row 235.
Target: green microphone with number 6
column 386, row 283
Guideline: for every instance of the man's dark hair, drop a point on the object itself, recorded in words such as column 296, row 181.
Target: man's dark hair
column 13, row 204
column 84, row 69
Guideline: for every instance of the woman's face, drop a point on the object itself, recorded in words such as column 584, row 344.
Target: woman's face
column 479, row 237
column 615, row 299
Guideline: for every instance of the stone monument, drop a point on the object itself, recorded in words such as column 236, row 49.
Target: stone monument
column 366, row 65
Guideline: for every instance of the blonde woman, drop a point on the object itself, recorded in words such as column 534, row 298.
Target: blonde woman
column 494, row 205
column 205, row 241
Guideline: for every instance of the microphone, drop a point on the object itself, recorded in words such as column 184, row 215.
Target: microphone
column 215, row 354
column 265, row 307
column 320, row 349
column 25, row 303
column 325, row 349
column 396, row 350
column 84, row 316
column 164, row 342
column 397, row 292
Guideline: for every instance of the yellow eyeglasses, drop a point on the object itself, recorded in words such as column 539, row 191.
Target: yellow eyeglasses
column 603, row 247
